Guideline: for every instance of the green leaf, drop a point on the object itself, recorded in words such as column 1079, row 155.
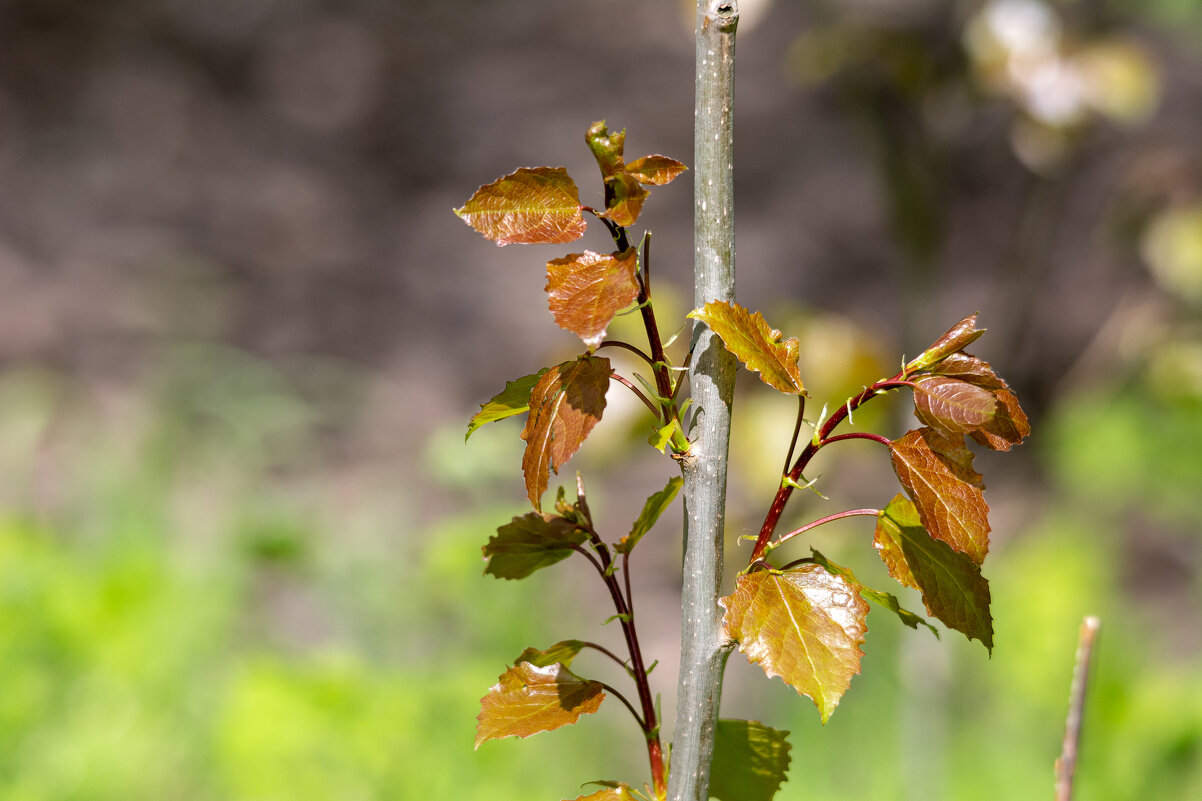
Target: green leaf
column 660, row 437
column 889, row 601
column 952, row 587
column 804, row 625
column 937, row 473
column 884, row 599
column 560, row 653
column 532, row 206
column 528, row 699
column 655, row 170
column 958, row 337
column 606, row 147
column 587, row 289
column 953, row 405
column 529, row 543
column 652, row 509
column 750, row 761
column 572, row 511
column 755, row 344
column 565, row 404
column 512, row 400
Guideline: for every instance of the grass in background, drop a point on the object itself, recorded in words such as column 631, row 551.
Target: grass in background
column 188, row 614
column 190, row 608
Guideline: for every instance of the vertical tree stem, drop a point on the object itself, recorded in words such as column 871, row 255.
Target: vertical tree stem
column 704, row 650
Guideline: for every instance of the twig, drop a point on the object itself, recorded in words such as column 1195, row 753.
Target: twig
column 1066, row 765
column 814, row 524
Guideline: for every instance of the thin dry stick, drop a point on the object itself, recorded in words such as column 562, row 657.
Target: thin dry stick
column 1066, row 765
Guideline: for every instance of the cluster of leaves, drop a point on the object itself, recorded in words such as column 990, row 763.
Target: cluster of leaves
column 803, row 621
column 562, row 404
column 585, row 291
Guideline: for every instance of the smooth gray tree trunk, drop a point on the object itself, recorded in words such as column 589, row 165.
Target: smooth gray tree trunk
column 704, row 650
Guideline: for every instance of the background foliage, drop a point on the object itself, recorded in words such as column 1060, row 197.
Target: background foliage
column 239, row 531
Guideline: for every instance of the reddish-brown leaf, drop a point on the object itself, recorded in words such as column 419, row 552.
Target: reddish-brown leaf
column 532, row 206
column 624, row 197
column 529, row 543
column 587, row 289
column 937, row 473
column 969, row 369
column 565, row 404
column 1008, row 427
column 528, row 699
column 952, row 405
column 952, row 587
column 655, row 170
column 804, row 625
column 959, row 336
column 754, row 343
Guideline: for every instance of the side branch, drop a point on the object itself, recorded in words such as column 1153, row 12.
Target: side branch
column 822, row 436
column 858, row 435
column 646, row 401
column 816, row 523
column 638, row 670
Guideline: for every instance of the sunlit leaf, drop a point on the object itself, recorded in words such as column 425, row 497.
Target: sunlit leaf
column 953, row 405
column 754, row 343
column 624, row 197
column 652, row 509
column 660, row 437
column 606, row 147
column 750, row 761
column 528, row 699
column 561, row 652
column 1008, row 427
column 885, row 600
column 952, row 587
column 530, row 206
column 512, row 400
column 529, row 543
column 1009, row 424
column 959, row 336
column 655, row 170
column 618, row 792
column 968, row 368
column 565, row 404
column 804, row 625
column 937, row 473
column 587, row 289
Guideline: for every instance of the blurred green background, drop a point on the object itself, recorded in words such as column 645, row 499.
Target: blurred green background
column 243, row 334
